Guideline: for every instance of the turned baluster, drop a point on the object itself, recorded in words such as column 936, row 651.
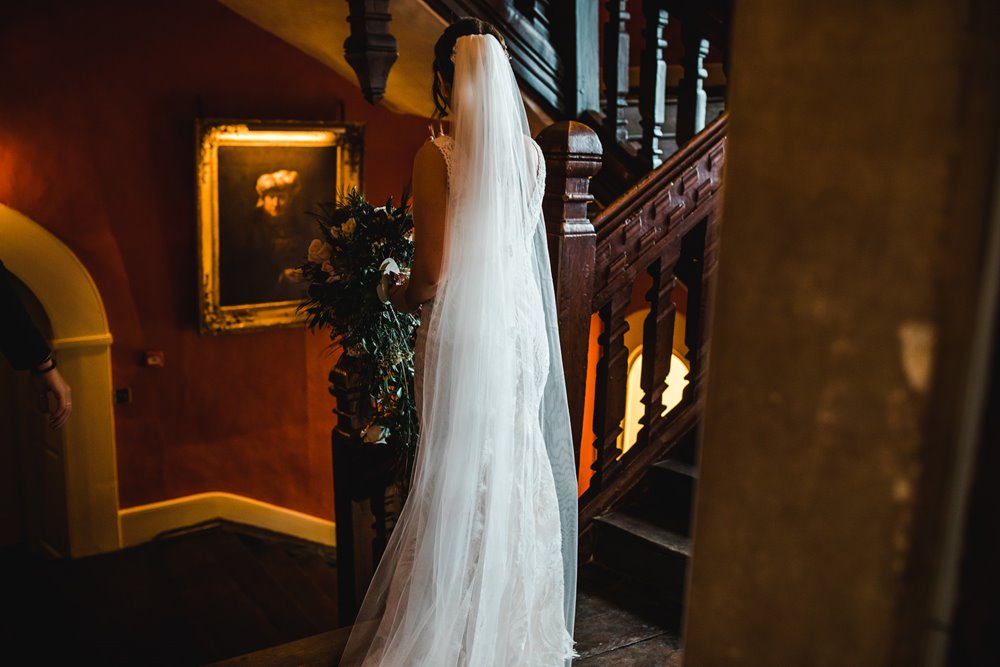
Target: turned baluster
column 690, row 270
column 581, row 56
column 616, row 58
column 609, row 394
column 701, row 271
column 527, row 8
column 653, row 86
column 657, row 341
column 572, row 155
column 692, row 100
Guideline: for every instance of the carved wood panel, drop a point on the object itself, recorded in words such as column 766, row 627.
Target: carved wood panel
column 633, row 235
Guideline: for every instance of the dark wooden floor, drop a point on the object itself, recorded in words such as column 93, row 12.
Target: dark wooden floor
column 619, row 624
column 184, row 600
column 616, row 626
column 219, row 592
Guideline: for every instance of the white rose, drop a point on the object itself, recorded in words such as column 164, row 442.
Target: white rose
column 375, row 434
column 319, row 251
column 328, row 268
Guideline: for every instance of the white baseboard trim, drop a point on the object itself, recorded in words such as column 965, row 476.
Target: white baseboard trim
column 144, row 522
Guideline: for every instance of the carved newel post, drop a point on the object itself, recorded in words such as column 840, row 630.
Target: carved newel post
column 365, row 499
column 572, row 156
column 370, row 49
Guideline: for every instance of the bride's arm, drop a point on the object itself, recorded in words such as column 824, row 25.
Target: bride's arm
column 429, row 201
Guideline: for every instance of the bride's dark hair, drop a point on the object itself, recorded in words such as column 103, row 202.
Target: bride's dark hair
column 443, row 49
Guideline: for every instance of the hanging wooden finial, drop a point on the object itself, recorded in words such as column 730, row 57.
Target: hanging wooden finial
column 370, row 49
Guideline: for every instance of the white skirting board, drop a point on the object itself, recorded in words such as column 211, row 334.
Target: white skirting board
column 144, row 522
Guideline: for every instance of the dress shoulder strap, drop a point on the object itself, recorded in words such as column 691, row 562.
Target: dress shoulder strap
column 444, row 144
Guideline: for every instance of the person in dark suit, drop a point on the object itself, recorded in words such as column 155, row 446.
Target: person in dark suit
column 25, row 349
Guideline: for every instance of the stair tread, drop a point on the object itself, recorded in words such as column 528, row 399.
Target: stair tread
column 668, row 518
column 657, row 535
column 681, row 467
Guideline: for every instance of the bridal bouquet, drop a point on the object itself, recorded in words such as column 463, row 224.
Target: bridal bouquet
column 345, row 270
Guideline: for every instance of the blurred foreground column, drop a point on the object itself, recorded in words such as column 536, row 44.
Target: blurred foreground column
column 853, row 342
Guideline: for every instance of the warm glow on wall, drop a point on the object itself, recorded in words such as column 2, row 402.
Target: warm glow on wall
column 634, row 409
column 242, row 135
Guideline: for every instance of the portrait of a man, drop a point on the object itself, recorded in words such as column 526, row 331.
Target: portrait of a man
column 258, row 183
column 261, row 250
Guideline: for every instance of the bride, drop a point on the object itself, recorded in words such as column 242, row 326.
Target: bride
column 480, row 568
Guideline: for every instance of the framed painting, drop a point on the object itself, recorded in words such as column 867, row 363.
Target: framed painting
column 257, row 182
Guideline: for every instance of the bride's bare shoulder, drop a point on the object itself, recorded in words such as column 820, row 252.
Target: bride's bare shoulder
column 429, row 156
column 430, row 171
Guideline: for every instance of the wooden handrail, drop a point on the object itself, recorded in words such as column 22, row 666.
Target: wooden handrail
column 663, row 175
column 666, row 226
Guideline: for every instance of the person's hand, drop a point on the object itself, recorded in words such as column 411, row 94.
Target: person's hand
column 53, row 382
column 291, row 276
column 397, row 291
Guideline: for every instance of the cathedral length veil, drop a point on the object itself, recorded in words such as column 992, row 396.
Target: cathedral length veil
column 443, row 593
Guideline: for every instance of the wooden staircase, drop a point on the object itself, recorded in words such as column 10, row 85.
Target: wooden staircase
column 663, row 233
column 649, row 530
column 655, row 223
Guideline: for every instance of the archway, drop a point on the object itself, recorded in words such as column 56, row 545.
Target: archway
column 82, row 340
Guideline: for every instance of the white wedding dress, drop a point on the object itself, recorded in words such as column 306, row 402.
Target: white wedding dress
column 480, row 569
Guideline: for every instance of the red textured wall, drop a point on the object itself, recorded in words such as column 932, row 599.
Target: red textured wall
column 96, row 144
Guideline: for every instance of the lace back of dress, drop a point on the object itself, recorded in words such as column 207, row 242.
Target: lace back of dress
column 445, row 144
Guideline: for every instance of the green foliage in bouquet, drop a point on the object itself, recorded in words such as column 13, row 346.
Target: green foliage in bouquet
column 343, row 272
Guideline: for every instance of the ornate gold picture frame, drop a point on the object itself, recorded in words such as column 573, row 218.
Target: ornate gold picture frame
column 257, row 181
